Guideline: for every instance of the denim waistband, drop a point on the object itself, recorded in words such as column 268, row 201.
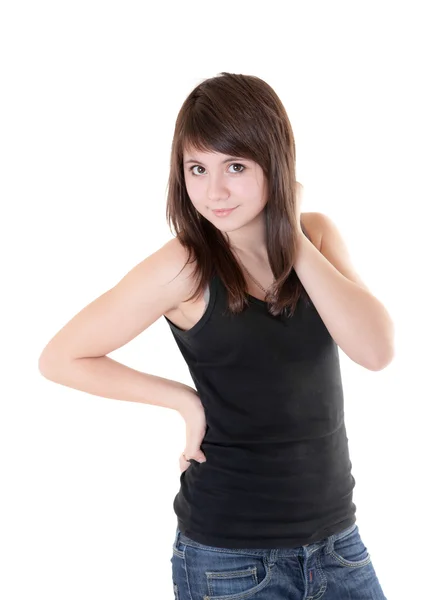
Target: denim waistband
column 273, row 552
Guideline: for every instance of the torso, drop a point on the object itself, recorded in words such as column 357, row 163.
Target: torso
column 187, row 314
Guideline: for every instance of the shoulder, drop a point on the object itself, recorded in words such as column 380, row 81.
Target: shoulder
column 173, row 249
column 173, row 259
column 321, row 227
column 314, row 224
column 332, row 245
column 169, row 267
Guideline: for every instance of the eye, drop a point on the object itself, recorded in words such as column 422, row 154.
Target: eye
column 232, row 165
column 238, row 165
column 195, row 167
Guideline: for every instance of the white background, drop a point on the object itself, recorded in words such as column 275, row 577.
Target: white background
column 90, row 94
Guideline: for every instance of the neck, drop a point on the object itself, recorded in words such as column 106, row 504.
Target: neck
column 251, row 240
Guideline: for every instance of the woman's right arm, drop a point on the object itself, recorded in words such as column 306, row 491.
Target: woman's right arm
column 77, row 355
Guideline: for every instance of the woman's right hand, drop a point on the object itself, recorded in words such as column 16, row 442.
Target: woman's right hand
column 195, row 422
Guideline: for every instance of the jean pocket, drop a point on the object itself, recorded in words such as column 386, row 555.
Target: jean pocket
column 223, row 573
column 350, row 551
column 243, row 578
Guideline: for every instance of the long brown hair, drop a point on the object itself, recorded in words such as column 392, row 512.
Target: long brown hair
column 239, row 115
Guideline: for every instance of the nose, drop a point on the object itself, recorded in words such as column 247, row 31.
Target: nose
column 217, row 190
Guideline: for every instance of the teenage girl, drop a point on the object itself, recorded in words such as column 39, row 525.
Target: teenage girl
column 258, row 297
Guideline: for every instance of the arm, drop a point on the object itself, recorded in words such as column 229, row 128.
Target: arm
column 108, row 378
column 77, row 355
column 356, row 320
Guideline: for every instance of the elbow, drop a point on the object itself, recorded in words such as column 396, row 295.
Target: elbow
column 50, row 363
column 385, row 352
column 382, row 361
column 45, row 366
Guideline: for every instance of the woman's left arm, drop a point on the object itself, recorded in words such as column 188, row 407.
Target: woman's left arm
column 357, row 321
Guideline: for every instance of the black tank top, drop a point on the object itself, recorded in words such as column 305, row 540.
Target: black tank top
column 277, row 471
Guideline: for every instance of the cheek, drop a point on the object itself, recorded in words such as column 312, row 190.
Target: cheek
column 248, row 188
column 193, row 189
column 196, row 199
column 197, row 194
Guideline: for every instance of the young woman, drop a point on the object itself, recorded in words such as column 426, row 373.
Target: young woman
column 258, row 297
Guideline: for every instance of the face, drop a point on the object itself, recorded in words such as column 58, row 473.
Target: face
column 217, row 181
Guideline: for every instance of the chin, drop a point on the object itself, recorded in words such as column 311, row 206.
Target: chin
column 226, row 227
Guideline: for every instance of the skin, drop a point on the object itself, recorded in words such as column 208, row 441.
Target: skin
column 212, row 184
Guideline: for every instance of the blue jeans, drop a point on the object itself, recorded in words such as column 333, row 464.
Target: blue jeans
column 338, row 567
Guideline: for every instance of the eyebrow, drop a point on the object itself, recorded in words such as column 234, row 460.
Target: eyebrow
column 231, row 158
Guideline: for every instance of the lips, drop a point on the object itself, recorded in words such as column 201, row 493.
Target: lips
column 220, row 212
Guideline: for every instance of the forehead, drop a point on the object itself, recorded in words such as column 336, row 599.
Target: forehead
column 190, row 153
column 193, row 151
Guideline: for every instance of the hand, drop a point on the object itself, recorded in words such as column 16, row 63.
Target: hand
column 195, row 421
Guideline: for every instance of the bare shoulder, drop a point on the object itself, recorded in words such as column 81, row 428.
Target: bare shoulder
column 171, row 255
column 334, row 247
column 173, row 261
column 312, row 221
column 166, row 273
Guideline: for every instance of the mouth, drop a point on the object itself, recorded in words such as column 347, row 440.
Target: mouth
column 223, row 212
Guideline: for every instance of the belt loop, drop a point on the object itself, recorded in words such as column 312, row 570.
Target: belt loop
column 330, row 543
column 272, row 556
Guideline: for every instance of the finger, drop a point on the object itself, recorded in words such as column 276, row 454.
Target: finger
column 183, row 464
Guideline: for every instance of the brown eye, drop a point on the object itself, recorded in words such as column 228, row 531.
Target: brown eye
column 238, row 165
column 194, row 167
